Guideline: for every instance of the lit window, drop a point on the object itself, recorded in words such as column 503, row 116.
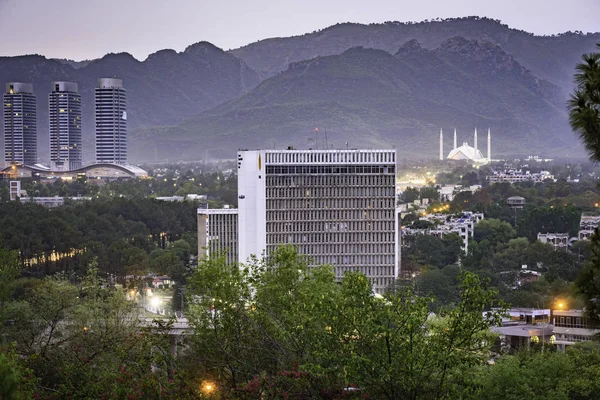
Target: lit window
column 62, row 110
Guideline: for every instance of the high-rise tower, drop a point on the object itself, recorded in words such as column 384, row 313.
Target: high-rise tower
column 335, row 206
column 111, row 121
column 64, row 105
column 20, row 127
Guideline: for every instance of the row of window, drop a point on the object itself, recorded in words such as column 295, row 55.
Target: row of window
column 572, row 322
column 374, row 219
column 328, row 169
column 383, row 208
column 330, row 181
column 369, row 264
column 332, row 156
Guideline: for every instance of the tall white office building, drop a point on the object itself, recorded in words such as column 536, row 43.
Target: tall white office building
column 336, row 206
column 111, row 121
column 64, row 106
column 20, row 124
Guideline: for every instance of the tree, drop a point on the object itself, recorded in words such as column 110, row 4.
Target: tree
column 277, row 329
column 588, row 281
column 584, row 105
column 494, row 231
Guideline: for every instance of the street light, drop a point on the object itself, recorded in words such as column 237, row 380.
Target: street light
column 208, row 387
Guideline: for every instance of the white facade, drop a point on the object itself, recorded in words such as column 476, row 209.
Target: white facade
column 571, row 327
column 587, row 226
column 218, row 233
column 335, row 206
column 557, row 240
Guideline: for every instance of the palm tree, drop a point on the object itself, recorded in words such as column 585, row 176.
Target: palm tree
column 584, row 105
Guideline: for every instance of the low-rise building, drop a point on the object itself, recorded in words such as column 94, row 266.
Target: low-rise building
column 218, row 233
column 557, row 240
column 571, row 327
column 51, row 202
column 587, row 226
column 523, row 328
column 461, row 224
column 516, row 176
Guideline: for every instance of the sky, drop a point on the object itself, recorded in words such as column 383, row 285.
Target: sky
column 88, row 29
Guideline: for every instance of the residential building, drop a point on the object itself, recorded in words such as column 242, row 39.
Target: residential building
column 557, row 240
column 20, row 124
column 335, row 206
column 587, row 226
column 218, row 233
column 461, row 224
column 111, row 121
column 515, row 176
column 51, row 202
column 64, row 105
column 571, row 327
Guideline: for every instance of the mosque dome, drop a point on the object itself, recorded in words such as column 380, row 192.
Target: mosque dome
column 465, row 152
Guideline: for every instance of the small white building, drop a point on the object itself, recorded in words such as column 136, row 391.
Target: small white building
column 587, row 226
column 557, row 240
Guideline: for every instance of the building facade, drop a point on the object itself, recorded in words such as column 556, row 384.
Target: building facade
column 571, row 327
column 587, row 226
column 111, row 121
column 20, row 124
column 218, row 233
column 557, row 240
column 64, row 105
column 335, row 206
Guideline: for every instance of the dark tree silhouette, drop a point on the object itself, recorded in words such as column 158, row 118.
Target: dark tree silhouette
column 584, row 105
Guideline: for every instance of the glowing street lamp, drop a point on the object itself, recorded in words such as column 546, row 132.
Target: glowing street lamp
column 208, row 387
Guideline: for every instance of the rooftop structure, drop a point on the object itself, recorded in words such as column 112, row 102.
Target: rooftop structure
column 93, row 171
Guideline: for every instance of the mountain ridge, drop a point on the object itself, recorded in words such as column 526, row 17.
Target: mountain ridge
column 369, row 97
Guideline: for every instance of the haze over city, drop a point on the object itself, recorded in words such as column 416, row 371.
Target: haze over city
column 299, row 200
column 80, row 30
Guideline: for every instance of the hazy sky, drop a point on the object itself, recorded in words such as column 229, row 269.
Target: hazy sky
column 84, row 29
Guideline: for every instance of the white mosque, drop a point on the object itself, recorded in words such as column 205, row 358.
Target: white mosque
column 466, row 152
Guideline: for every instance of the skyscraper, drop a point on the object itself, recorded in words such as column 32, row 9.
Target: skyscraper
column 111, row 121
column 335, row 206
column 64, row 105
column 20, row 126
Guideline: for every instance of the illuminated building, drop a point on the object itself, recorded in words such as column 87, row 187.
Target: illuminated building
column 65, row 126
column 111, row 121
column 466, row 152
column 20, row 126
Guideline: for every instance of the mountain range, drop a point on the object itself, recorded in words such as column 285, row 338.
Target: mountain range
column 379, row 85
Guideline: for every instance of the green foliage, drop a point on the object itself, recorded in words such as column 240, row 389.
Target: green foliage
column 588, row 281
column 560, row 219
column 494, row 231
column 544, row 375
column 584, row 105
column 275, row 327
